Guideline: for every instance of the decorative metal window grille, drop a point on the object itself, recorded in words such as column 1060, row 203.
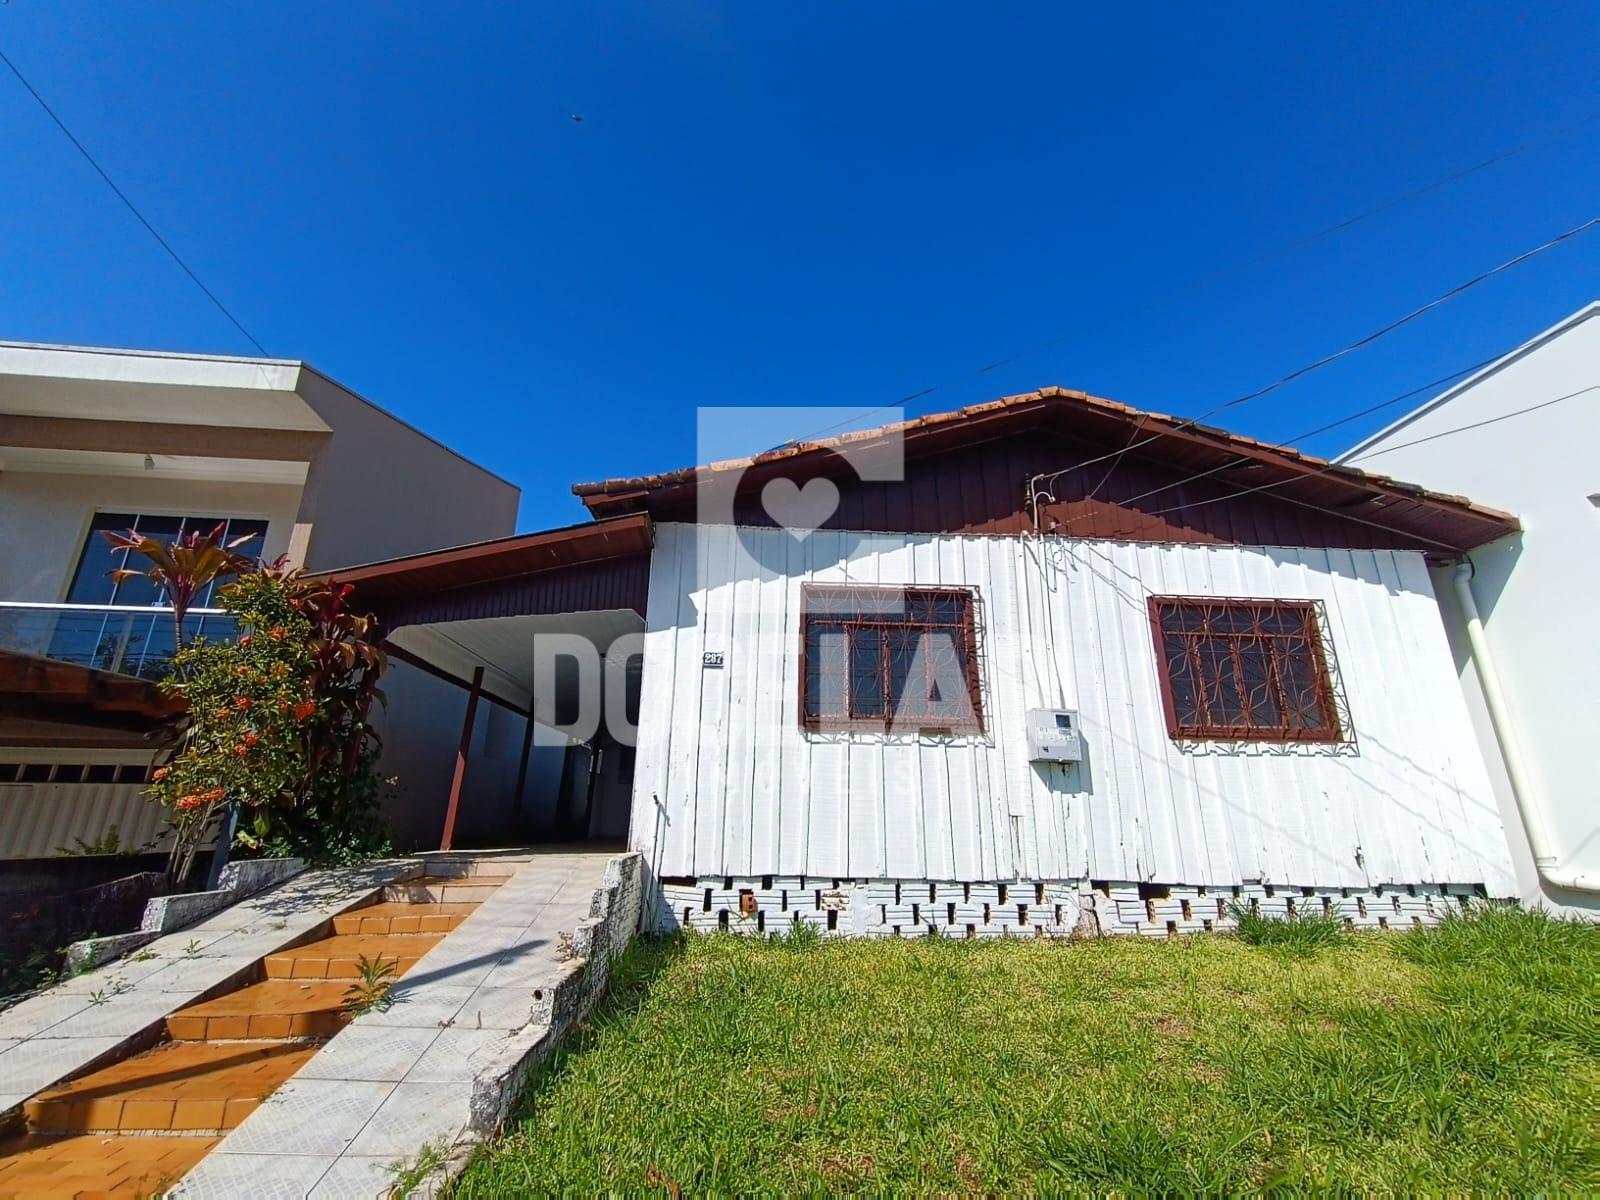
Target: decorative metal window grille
column 1245, row 670
column 889, row 658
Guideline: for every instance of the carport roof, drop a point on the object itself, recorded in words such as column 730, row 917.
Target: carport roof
column 399, row 579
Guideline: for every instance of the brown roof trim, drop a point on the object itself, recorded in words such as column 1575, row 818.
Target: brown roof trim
column 47, row 687
column 634, row 494
column 394, row 579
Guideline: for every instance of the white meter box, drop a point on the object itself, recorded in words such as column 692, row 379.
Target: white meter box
column 1053, row 736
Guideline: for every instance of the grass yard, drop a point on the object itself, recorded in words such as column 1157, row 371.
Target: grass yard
column 1462, row 1057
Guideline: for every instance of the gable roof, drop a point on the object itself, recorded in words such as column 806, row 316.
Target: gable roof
column 1204, row 463
column 1565, row 325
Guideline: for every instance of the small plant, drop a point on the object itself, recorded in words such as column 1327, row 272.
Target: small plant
column 192, row 948
column 1295, row 935
column 109, row 842
column 370, row 991
column 802, row 935
column 115, row 988
column 566, row 948
column 408, row 1176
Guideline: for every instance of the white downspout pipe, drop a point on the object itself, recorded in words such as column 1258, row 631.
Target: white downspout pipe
column 1545, row 859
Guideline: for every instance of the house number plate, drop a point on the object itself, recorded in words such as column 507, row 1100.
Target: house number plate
column 711, row 658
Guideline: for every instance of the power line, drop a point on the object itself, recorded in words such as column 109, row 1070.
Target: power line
column 121, row 195
column 1432, row 437
column 1322, row 471
column 1300, row 437
column 1325, row 360
column 1277, row 252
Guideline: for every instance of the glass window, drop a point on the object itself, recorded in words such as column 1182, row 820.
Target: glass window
column 1244, row 670
column 890, row 658
column 92, row 582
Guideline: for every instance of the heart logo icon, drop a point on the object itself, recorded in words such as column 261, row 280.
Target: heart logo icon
column 800, row 510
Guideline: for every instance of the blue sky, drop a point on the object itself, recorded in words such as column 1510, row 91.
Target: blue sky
column 797, row 204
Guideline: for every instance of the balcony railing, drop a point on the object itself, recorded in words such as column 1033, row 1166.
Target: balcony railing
column 128, row 641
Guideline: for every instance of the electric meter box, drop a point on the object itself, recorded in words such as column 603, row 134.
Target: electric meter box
column 1053, row 736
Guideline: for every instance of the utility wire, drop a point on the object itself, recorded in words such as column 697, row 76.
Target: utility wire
column 1268, row 256
column 1325, row 360
column 1277, row 483
column 1432, row 437
column 121, row 195
column 1300, row 437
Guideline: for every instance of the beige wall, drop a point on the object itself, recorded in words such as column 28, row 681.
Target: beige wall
column 44, row 518
column 380, row 489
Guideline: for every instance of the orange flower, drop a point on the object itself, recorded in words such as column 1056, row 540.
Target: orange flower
column 213, row 794
column 241, row 750
column 277, row 633
column 242, row 702
column 251, row 739
column 190, row 803
column 304, row 710
column 159, row 774
column 245, row 640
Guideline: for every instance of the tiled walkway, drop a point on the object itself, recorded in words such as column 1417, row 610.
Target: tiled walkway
column 396, row 1081
column 139, row 1124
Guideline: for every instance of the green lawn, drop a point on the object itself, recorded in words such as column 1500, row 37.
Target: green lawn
column 1460, row 1057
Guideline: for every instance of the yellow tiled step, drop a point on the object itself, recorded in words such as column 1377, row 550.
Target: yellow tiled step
column 396, row 916
column 278, row 1008
column 438, row 889
column 88, row 1164
column 481, row 869
column 177, row 1087
column 339, row 957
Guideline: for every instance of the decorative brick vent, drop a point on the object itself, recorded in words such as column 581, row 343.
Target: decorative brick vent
column 1156, row 911
column 869, row 907
column 769, row 904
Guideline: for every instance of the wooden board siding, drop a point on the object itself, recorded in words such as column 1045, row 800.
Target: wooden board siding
column 743, row 790
column 980, row 489
column 611, row 583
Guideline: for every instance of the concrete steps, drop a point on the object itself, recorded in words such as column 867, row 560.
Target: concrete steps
column 398, row 916
column 179, row 1087
column 137, row 1126
column 339, row 956
column 277, row 1008
column 443, row 889
column 34, row 1164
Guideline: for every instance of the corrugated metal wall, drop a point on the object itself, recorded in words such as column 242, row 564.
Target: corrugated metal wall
column 36, row 819
column 743, row 790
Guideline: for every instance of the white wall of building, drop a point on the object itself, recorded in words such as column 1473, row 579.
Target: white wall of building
column 727, row 783
column 44, row 519
column 380, row 489
column 1522, row 437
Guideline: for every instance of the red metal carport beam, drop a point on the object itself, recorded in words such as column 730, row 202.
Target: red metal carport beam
column 462, row 752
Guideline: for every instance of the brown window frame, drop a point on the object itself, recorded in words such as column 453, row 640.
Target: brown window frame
column 1308, row 633
column 965, row 627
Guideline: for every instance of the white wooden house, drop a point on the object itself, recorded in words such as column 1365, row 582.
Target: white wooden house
column 1074, row 665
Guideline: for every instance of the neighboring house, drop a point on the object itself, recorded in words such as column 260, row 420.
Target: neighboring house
column 94, row 439
column 1138, row 668
column 1522, row 434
